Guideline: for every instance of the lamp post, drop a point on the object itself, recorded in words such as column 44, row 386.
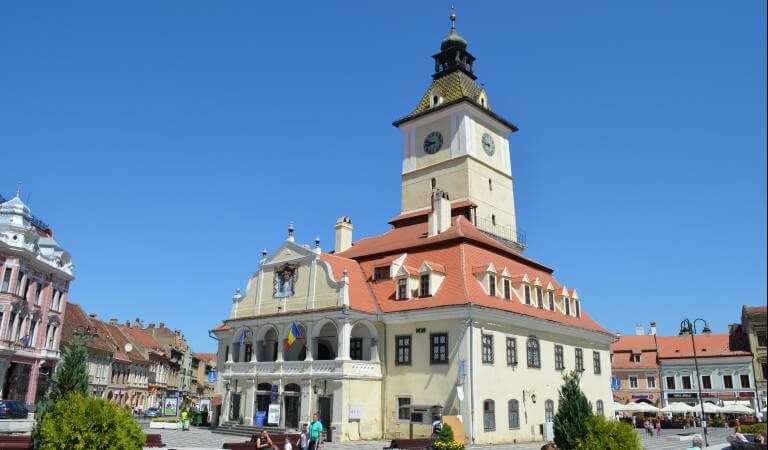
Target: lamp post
column 688, row 327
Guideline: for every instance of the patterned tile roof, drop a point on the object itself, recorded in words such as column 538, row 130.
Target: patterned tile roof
column 454, row 86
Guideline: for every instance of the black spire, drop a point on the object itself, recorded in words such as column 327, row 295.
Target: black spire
column 453, row 54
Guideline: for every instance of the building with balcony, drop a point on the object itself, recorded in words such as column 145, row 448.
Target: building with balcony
column 35, row 272
column 753, row 324
column 426, row 318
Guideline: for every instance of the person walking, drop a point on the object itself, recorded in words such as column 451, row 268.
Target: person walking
column 303, row 441
column 647, row 425
column 658, row 427
column 437, row 427
column 315, row 432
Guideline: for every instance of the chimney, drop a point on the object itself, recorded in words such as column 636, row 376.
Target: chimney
column 127, row 324
column 639, row 330
column 113, row 321
column 343, row 234
column 440, row 216
column 653, row 329
column 92, row 315
column 151, row 325
column 162, row 325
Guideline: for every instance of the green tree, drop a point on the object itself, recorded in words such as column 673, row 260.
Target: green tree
column 573, row 410
column 603, row 434
column 446, row 434
column 81, row 423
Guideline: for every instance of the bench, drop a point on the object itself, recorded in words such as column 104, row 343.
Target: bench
column 11, row 441
column 752, row 445
column 410, row 444
column 153, row 440
column 278, row 442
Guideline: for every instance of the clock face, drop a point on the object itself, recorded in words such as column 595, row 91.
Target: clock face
column 488, row 144
column 433, row 142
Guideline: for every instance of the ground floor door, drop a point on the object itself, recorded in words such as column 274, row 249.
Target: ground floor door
column 17, row 382
column 235, row 411
column 292, row 411
column 325, row 405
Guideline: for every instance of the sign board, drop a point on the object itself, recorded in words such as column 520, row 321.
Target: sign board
column 212, row 376
column 275, row 395
column 684, row 396
column 355, row 411
column 746, row 394
column 273, row 415
column 615, row 383
column 170, row 406
column 641, row 396
column 261, row 416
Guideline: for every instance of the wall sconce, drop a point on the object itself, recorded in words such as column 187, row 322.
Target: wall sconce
column 226, row 385
column 316, row 388
column 533, row 398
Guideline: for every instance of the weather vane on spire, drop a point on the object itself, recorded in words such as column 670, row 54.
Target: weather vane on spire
column 453, row 16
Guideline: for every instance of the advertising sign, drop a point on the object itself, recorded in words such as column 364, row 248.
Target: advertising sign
column 212, row 376
column 273, row 415
column 170, row 406
column 691, row 395
column 615, row 383
column 261, row 416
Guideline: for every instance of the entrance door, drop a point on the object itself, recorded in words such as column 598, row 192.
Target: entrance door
column 326, row 413
column 292, row 411
column 235, row 415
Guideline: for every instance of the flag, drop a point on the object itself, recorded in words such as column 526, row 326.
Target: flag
column 242, row 337
column 293, row 334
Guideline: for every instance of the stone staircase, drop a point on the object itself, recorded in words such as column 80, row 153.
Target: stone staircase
column 234, row 429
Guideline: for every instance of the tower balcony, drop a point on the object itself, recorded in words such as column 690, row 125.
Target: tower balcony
column 512, row 238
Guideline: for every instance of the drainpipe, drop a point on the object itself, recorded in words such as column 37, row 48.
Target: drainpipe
column 383, row 365
column 471, row 329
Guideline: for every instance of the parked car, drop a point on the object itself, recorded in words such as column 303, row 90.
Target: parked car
column 11, row 409
column 153, row 412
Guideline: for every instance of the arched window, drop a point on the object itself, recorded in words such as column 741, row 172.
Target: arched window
column 549, row 411
column 599, row 408
column 532, row 347
column 513, row 414
column 489, row 415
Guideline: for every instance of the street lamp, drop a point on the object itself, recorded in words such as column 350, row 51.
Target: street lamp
column 688, row 327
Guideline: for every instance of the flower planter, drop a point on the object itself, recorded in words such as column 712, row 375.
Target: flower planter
column 165, row 425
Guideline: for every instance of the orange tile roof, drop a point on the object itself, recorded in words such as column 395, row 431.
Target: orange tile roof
column 648, row 360
column 77, row 318
column 206, row 356
column 756, row 309
column 423, row 212
column 144, row 338
column 631, row 343
column 436, row 267
column 360, row 296
column 221, row 327
column 707, row 346
column 121, row 339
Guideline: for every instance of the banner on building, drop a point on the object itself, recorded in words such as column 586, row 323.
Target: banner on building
column 171, row 406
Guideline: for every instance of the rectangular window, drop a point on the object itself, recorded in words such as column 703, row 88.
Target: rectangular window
column 551, row 298
column 381, row 273
column 539, row 297
column 356, row 349
column 19, row 277
column 438, row 348
column 514, row 414
column 559, row 358
column 650, row 381
column 579, row 360
column 489, row 415
column 511, row 351
column 488, row 348
column 728, row 381
column 402, row 288
column 596, row 362
column 7, row 279
column 507, row 290
column 706, row 382
column 527, row 291
column 38, row 291
column 686, row 382
column 744, row 381
column 634, row 357
column 671, row 383
column 492, row 285
column 424, row 286
column 403, row 408
column 567, row 303
column 762, row 338
column 633, row 382
column 578, row 307
column 403, row 345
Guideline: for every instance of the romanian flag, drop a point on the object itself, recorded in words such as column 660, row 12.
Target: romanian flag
column 293, row 334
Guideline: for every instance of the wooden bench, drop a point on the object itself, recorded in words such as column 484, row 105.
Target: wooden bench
column 278, row 442
column 12, row 441
column 752, row 445
column 410, row 444
column 153, row 440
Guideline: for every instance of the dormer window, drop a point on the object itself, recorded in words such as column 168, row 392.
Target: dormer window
column 634, row 357
column 507, row 289
column 381, row 273
column 492, row 286
column 551, row 299
column 527, row 292
column 402, row 288
column 539, row 297
column 424, row 285
column 576, row 303
column 567, row 303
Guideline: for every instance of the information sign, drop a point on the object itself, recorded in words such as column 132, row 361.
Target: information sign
column 273, row 415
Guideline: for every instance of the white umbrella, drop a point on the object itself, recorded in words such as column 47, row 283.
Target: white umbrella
column 737, row 408
column 677, row 408
column 638, row 407
column 709, row 408
column 618, row 407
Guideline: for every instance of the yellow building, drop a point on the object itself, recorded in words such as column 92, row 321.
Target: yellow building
column 440, row 315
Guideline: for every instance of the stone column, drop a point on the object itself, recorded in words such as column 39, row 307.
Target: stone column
column 231, row 352
column 374, row 349
column 249, row 388
column 310, row 344
column 32, row 382
column 345, row 332
column 280, row 345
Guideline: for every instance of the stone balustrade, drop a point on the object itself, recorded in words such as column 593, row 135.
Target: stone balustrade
column 332, row 368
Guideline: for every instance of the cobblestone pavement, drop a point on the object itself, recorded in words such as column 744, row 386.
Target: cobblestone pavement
column 203, row 439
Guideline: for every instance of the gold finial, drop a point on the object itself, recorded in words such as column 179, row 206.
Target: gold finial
column 453, row 16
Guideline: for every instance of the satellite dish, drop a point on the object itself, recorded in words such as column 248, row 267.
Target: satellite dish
column 128, row 347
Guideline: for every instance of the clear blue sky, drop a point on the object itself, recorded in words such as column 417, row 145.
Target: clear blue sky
column 167, row 143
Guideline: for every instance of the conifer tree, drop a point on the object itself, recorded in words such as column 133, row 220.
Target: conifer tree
column 573, row 410
column 71, row 375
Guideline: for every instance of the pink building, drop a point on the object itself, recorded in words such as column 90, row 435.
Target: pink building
column 35, row 273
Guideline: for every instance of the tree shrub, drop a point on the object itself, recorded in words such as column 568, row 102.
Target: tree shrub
column 446, row 434
column 80, row 423
column 573, row 410
column 603, row 434
column 754, row 428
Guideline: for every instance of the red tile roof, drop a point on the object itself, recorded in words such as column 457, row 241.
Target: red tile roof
column 423, row 212
column 76, row 318
column 631, row 343
column 707, row 346
column 623, row 349
column 144, row 338
column 756, row 309
column 206, row 356
column 360, row 296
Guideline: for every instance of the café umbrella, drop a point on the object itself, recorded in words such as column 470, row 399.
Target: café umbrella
column 639, row 407
column 709, row 408
column 677, row 408
column 737, row 408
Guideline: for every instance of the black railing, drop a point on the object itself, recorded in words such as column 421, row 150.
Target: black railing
column 502, row 231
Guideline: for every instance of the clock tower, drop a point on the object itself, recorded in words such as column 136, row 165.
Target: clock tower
column 455, row 142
